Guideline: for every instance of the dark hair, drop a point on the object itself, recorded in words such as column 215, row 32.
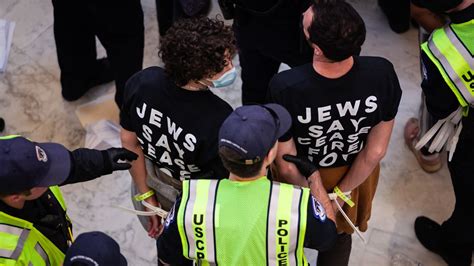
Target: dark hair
column 195, row 48
column 231, row 161
column 337, row 29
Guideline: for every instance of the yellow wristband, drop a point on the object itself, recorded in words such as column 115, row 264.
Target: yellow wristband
column 144, row 196
column 343, row 197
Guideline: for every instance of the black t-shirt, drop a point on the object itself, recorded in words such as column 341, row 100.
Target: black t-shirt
column 320, row 234
column 177, row 129
column 332, row 117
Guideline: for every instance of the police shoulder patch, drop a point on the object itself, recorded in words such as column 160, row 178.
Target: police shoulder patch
column 318, row 210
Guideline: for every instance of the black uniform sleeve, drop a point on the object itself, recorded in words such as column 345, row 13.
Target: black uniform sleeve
column 392, row 96
column 170, row 249
column 131, row 88
column 440, row 100
column 321, row 232
column 87, row 164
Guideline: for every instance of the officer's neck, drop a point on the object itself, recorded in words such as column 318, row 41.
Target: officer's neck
column 262, row 172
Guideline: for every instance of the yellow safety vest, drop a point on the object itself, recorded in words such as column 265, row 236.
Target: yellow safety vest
column 22, row 244
column 243, row 223
column 451, row 49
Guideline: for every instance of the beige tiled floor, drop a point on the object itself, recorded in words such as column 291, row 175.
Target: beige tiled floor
column 32, row 105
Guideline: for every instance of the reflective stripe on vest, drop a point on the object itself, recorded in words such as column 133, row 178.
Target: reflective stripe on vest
column 39, row 249
column 283, row 223
column 454, row 61
column 22, row 235
column 283, row 232
column 23, row 244
column 199, row 220
column 9, row 137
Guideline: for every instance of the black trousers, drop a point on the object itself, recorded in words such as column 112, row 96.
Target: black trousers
column 164, row 15
column 457, row 233
column 261, row 61
column 118, row 26
column 339, row 254
column 169, row 11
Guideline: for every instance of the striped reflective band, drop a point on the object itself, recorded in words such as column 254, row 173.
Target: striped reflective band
column 39, row 249
column 199, row 221
column 459, row 46
column 452, row 59
column 22, row 236
column 283, row 225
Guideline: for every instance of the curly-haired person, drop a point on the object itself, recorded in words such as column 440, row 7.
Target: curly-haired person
column 343, row 108
column 171, row 118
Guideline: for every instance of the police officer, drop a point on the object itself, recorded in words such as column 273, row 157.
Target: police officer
column 247, row 219
column 34, row 226
column 449, row 88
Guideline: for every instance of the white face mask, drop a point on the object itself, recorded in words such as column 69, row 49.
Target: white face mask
column 226, row 79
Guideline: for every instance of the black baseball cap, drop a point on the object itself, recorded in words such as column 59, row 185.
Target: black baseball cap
column 438, row 6
column 94, row 249
column 252, row 130
column 25, row 164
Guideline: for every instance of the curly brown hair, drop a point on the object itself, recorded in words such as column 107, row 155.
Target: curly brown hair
column 196, row 48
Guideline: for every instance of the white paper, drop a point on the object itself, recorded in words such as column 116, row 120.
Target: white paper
column 103, row 135
column 6, row 37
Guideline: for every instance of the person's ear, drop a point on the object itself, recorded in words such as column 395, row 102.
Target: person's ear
column 271, row 154
column 317, row 50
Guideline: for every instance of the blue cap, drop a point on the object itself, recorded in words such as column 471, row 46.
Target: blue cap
column 26, row 164
column 95, row 248
column 252, row 130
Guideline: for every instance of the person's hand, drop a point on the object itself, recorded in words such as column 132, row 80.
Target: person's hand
column 113, row 155
column 155, row 228
column 305, row 166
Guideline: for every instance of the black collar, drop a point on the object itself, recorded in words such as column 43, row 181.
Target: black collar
column 462, row 16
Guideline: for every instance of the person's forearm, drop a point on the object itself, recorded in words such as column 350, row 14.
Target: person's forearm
column 426, row 18
column 362, row 167
column 319, row 193
column 138, row 169
column 369, row 157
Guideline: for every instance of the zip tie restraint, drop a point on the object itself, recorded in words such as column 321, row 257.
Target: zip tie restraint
column 144, row 196
column 345, row 196
column 154, row 210
column 341, row 195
